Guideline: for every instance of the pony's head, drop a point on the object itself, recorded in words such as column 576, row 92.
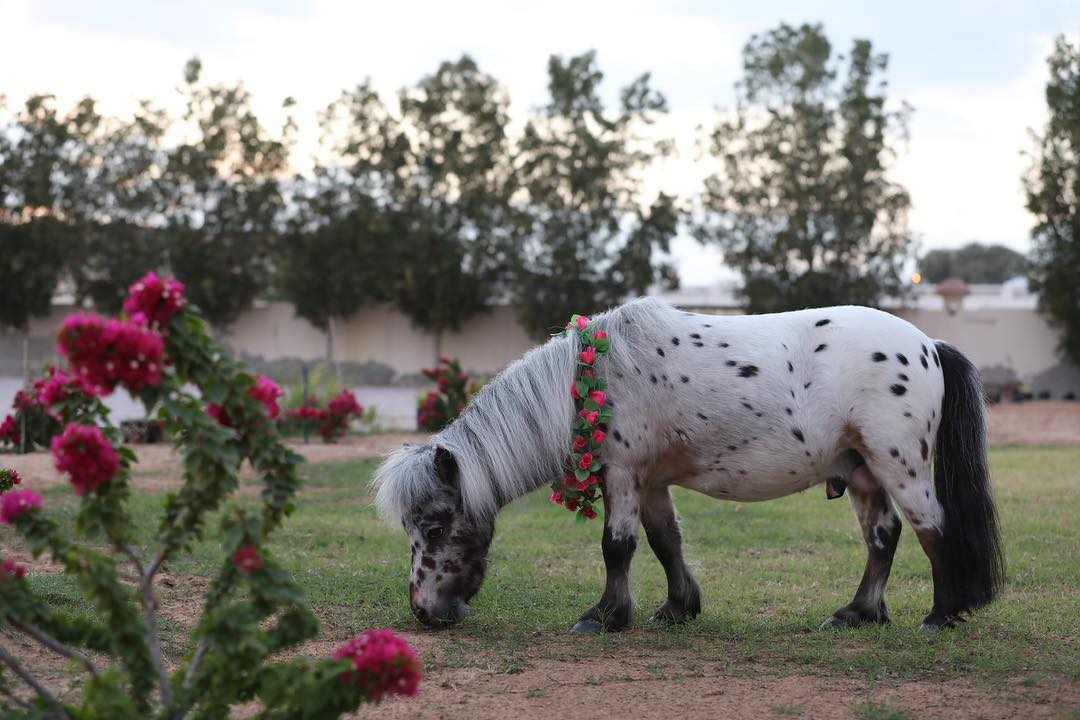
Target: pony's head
column 421, row 485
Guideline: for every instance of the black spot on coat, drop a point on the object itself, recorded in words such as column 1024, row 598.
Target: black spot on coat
column 898, row 389
column 747, row 371
column 901, row 357
column 879, row 357
column 798, row 434
column 660, row 352
column 820, row 347
column 819, row 323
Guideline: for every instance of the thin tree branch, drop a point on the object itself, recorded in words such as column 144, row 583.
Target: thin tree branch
column 18, row 669
column 153, row 641
column 56, row 646
column 134, row 557
column 189, row 678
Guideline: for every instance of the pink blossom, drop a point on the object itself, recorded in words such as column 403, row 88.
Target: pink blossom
column 16, row 502
column 382, row 664
column 599, row 436
column 107, row 353
column 267, row 392
column 9, row 569
column 58, row 387
column 598, row 397
column 154, row 300
column 247, row 559
column 86, row 455
column 588, row 355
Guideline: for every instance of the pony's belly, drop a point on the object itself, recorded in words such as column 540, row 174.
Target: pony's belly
column 750, row 487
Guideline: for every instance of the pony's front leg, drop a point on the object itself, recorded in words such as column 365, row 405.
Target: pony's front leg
column 615, row 609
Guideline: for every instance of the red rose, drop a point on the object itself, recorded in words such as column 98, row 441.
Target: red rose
column 600, row 335
column 589, row 416
column 599, row 436
column 582, row 322
column 556, row 497
column 589, row 374
column 588, row 512
column 588, row 355
column 579, row 443
column 247, row 559
column 585, row 462
column 574, row 392
column 598, row 397
column 571, row 504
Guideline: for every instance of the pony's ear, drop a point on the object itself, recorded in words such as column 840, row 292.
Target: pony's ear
column 446, row 466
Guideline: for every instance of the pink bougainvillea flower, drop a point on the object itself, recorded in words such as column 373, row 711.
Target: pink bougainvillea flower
column 86, row 455
column 247, row 559
column 589, row 416
column 585, row 462
column 154, row 300
column 344, row 403
column 443, row 381
column 599, row 436
column 9, row 569
column 267, row 392
column 444, row 360
column 107, row 353
column 382, row 664
column 588, row 512
column 579, row 444
column 16, row 502
column 588, row 355
column 58, row 386
column 9, row 430
column 598, row 397
column 600, row 335
column 218, row 413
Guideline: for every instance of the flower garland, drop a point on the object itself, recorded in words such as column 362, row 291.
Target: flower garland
column 577, row 491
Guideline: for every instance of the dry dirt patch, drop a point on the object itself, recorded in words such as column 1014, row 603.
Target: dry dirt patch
column 1035, row 424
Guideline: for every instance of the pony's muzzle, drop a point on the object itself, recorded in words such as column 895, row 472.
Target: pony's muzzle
column 443, row 615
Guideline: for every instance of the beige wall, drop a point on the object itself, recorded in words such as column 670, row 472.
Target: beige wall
column 1016, row 338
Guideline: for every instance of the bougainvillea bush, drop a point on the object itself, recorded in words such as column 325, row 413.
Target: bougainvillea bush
column 30, row 426
column 331, row 422
column 219, row 416
column 438, row 408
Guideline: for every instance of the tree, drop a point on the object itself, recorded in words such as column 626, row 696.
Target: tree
column 591, row 241
column 222, row 198
column 31, row 260
column 1053, row 190
column 973, row 263
column 801, row 203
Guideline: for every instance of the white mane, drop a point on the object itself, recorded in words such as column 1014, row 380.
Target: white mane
column 515, row 433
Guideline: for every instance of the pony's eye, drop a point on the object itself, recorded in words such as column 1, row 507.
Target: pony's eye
column 434, row 533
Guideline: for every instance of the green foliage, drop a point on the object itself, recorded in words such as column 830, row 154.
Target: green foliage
column 801, row 203
column 251, row 612
column 973, row 263
column 1053, row 197
column 589, row 242
column 31, row 263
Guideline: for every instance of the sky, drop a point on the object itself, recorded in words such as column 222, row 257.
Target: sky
column 973, row 70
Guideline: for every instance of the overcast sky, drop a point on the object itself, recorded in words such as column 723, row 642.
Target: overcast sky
column 974, row 70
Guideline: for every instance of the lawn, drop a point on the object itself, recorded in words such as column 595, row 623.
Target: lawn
column 769, row 573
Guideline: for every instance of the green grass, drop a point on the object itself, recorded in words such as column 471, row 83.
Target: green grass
column 769, row 573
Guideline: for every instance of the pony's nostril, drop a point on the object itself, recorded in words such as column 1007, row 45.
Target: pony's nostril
column 421, row 614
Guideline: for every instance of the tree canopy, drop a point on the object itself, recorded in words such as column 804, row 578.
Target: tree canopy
column 801, row 202
column 1053, row 189
column 973, row 263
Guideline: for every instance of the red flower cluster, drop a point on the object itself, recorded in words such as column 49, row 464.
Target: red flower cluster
column 9, row 431
column 107, row 353
column 9, row 478
column 439, row 408
column 333, row 422
column 577, row 491
column 265, row 390
column 57, row 387
column 86, row 455
column 154, row 300
column 383, row 664
column 11, row 570
column 15, row 503
column 247, row 559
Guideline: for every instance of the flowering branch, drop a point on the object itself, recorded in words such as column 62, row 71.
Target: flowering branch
column 44, row 694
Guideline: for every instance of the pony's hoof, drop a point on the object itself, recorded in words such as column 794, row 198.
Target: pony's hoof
column 935, row 622
column 667, row 615
column 586, row 627
column 927, row 628
column 834, row 623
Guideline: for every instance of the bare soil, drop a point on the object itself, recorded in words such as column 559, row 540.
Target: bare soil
column 1035, row 424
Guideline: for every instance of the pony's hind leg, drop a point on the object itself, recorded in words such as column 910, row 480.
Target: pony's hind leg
column 614, row 610
column 662, row 530
column 881, row 531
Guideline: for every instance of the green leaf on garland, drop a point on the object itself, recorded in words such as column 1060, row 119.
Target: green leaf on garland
column 591, row 405
column 582, row 388
column 581, row 475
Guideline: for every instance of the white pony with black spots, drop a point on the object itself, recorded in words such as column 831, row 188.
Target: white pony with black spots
column 742, row 408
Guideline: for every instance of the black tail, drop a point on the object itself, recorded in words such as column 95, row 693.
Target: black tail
column 973, row 564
